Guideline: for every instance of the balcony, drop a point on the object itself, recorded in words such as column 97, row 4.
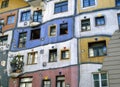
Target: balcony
column 16, row 66
column 34, row 2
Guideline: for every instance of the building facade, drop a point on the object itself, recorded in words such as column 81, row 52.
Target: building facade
column 56, row 43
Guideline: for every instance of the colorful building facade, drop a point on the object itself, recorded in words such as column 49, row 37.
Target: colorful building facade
column 56, row 43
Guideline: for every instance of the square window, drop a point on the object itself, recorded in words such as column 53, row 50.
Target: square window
column 65, row 54
column 3, row 39
column 118, row 3
column 100, row 21
column 26, row 82
column 53, row 55
column 46, row 83
column 35, row 34
column 97, row 49
column 85, row 25
column 37, row 16
column 22, row 39
column 60, row 81
column 52, row 31
column 63, row 28
column 61, row 7
column 25, row 16
column 32, row 58
column 100, row 79
column 4, row 4
column 87, row 3
column 10, row 19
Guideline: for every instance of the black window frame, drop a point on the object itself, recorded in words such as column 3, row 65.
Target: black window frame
column 54, row 53
column 117, row 3
column 23, row 42
column 38, row 15
column 25, row 12
column 99, row 21
column 35, row 34
column 12, row 19
column 89, row 3
column 60, row 6
column 4, row 3
column 2, row 38
column 43, row 85
column 61, row 81
column 85, row 23
column 63, row 28
column 96, row 47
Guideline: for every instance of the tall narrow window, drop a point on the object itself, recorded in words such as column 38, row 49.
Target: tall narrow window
column 87, row 3
column 119, row 20
column 60, row 81
column 46, row 83
column 37, row 16
column 97, row 49
column 100, row 80
column 11, row 19
column 52, row 30
column 22, row 40
column 53, row 55
column 3, row 39
column 63, row 28
column 25, row 16
column 117, row 2
column 61, row 7
column 35, row 34
column 1, row 24
column 85, row 25
column 26, row 82
column 4, row 4
column 100, row 21
column 32, row 58
column 65, row 54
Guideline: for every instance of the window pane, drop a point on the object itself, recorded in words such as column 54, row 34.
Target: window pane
column 96, row 83
column 28, row 84
column 22, row 84
column 117, row 2
column 104, row 83
column 96, row 76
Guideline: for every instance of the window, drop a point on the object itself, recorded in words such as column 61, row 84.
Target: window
column 10, row 19
column 4, row 4
column 53, row 55
column 52, row 31
column 25, row 16
column 65, row 54
column 97, row 49
column 26, row 82
column 35, row 34
column 118, row 20
column 87, row 3
column 61, row 7
column 3, row 39
column 32, row 58
column 63, row 29
column 1, row 24
column 46, row 83
column 22, row 39
column 37, row 16
column 60, row 81
column 100, row 21
column 85, row 25
column 117, row 2
column 100, row 80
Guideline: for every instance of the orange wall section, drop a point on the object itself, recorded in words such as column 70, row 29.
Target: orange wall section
column 5, row 17
column 13, row 4
column 83, row 50
column 100, row 4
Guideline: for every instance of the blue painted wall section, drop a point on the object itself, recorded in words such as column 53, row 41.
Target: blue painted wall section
column 44, row 37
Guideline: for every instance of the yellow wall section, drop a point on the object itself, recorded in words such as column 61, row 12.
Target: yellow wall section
column 83, row 50
column 99, row 5
column 13, row 4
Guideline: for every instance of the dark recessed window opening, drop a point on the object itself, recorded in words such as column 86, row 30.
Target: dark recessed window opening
column 35, row 34
column 100, row 21
column 63, row 29
column 53, row 55
column 97, row 49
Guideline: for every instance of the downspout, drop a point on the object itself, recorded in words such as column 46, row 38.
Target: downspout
column 74, row 36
